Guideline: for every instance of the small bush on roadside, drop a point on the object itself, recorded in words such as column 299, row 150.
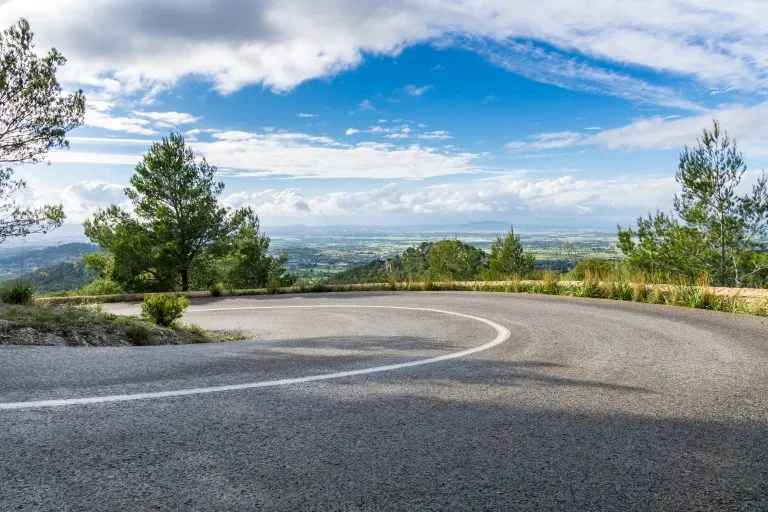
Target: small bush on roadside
column 590, row 286
column 136, row 332
column 391, row 281
column 597, row 269
column 101, row 287
column 163, row 310
column 621, row 290
column 215, row 290
column 639, row 289
column 273, row 285
column 760, row 308
column 549, row 283
column 19, row 292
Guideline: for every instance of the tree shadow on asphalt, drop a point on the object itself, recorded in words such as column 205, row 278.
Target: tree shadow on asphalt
column 288, row 449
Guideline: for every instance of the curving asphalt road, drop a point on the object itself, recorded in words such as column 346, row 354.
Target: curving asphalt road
column 517, row 402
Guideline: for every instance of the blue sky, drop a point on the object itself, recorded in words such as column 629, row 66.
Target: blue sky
column 412, row 112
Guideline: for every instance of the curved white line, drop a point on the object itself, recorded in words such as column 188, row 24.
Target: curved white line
column 503, row 334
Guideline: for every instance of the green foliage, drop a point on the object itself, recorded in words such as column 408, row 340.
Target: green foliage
column 549, row 282
column 597, row 268
column 249, row 263
column 452, row 260
column 163, row 310
column 100, row 286
column 35, row 116
column 508, row 257
column 61, row 277
column 137, row 332
column 714, row 231
column 19, row 292
column 179, row 230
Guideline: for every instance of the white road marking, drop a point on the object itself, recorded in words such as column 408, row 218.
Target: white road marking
column 503, row 335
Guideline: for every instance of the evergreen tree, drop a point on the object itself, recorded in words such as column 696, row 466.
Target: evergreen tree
column 35, row 117
column 178, row 222
column 508, row 256
column 716, row 231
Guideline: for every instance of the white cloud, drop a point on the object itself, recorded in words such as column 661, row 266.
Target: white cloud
column 307, row 115
column 747, row 124
column 80, row 200
column 519, row 193
column 298, row 155
column 151, row 45
column 556, row 68
column 301, row 155
column 351, row 131
column 555, row 140
column 514, row 193
column 168, row 119
column 366, row 105
column 436, row 135
column 134, row 125
column 81, row 157
column 413, row 90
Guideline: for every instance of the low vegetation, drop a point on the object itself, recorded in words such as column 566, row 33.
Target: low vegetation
column 89, row 326
column 19, row 292
column 164, row 310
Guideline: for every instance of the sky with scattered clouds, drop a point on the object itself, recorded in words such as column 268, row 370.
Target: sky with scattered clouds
column 549, row 113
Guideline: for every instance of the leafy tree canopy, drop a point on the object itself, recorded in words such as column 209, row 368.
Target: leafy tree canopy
column 178, row 232
column 35, row 116
column 714, row 231
column 509, row 258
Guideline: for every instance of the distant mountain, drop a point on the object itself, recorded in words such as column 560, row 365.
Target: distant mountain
column 69, row 275
column 18, row 261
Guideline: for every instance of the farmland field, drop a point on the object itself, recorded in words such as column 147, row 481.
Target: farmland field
column 317, row 252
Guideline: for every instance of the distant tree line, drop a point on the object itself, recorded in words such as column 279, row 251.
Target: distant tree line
column 447, row 260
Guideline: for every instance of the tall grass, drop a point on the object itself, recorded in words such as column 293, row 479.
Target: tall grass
column 619, row 286
column 18, row 292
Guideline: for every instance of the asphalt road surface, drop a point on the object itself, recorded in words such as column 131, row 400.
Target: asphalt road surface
column 468, row 402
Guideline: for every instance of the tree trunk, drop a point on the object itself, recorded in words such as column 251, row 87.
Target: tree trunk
column 184, row 279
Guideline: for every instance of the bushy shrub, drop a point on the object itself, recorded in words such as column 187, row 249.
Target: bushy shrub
column 590, row 287
column 621, row 290
column 598, row 269
column 163, row 310
column 215, row 290
column 550, row 280
column 101, row 286
column 19, row 292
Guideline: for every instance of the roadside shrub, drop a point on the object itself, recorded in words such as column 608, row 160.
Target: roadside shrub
column 598, row 269
column 19, row 292
column 621, row 290
column 274, row 285
column 101, row 287
column 691, row 296
column 163, row 310
column 549, row 283
column 639, row 289
column 760, row 308
column 136, row 332
column 215, row 290
column 391, row 281
column 590, row 286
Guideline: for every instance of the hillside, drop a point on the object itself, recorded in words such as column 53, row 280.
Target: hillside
column 439, row 259
column 69, row 275
column 17, row 261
